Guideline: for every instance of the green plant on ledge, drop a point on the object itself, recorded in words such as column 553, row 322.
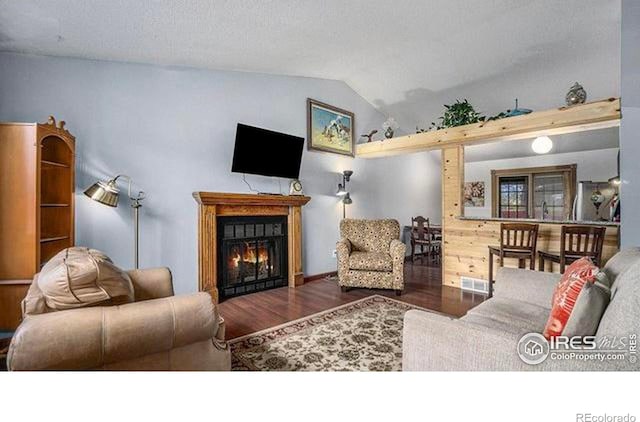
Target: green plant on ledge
column 458, row 114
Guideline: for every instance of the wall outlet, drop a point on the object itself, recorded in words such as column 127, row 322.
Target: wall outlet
column 334, row 253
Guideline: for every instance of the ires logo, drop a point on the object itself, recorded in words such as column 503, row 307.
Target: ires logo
column 573, row 343
column 534, row 348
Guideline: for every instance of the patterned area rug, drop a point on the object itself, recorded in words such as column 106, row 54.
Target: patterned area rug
column 365, row 335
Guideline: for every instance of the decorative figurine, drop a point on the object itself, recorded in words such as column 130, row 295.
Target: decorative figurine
column 576, row 95
column 370, row 135
column 390, row 126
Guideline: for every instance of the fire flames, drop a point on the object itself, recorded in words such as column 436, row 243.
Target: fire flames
column 249, row 256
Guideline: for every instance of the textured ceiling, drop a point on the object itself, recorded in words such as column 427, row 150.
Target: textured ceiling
column 406, row 57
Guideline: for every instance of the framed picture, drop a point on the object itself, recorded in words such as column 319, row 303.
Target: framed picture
column 474, row 194
column 329, row 128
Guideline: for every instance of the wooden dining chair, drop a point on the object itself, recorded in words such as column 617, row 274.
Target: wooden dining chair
column 422, row 236
column 517, row 240
column 576, row 242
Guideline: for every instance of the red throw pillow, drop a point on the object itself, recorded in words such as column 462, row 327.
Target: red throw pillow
column 566, row 293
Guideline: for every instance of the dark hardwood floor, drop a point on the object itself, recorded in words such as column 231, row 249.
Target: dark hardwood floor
column 257, row 311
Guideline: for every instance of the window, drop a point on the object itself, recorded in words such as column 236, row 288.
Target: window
column 514, row 197
column 548, row 197
column 544, row 193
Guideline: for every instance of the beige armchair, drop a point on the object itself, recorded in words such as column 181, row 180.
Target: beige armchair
column 371, row 255
column 158, row 331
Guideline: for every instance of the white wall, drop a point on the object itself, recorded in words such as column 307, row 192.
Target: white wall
column 594, row 165
column 407, row 186
column 630, row 127
column 172, row 129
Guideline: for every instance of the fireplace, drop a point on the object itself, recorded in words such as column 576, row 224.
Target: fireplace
column 252, row 254
column 248, row 210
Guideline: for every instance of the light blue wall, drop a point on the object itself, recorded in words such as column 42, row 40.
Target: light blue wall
column 630, row 127
column 172, row 130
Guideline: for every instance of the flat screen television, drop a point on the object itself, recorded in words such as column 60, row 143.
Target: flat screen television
column 267, row 153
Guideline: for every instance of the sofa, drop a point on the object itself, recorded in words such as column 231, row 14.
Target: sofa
column 486, row 337
column 371, row 255
column 157, row 331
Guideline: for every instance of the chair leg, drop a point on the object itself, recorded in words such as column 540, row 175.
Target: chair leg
column 490, row 274
column 413, row 252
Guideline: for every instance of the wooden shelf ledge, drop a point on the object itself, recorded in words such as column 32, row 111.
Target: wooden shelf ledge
column 590, row 116
column 247, row 199
column 53, row 239
column 55, row 164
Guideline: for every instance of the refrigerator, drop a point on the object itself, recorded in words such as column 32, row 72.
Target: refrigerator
column 584, row 208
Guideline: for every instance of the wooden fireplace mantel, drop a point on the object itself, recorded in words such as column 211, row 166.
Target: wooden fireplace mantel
column 223, row 204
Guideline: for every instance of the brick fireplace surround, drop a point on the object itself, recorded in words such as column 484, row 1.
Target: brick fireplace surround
column 219, row 204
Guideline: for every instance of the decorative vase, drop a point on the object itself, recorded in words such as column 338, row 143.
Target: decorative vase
column 390, row 125
column 576, row 95
column 597, row 198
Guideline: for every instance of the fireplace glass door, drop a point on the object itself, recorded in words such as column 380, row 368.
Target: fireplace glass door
column 252, row 254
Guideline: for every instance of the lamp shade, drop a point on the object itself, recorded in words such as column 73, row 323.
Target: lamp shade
column 105, row 193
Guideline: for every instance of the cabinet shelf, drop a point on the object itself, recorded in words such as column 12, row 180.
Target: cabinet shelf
column 53, row 239
column 37, row 192
column 54, row 164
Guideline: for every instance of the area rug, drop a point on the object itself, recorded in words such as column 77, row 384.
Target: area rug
column 365, row 335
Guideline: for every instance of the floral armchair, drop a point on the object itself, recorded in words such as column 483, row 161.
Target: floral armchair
column 371, row 255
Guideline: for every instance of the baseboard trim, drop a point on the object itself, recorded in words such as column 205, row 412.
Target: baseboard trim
column 316, row 277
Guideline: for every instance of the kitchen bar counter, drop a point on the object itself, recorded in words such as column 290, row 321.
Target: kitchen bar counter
column 532, row 220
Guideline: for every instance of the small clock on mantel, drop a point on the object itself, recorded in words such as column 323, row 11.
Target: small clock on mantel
column 295, row 187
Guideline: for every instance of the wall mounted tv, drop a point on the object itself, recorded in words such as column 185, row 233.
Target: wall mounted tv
column 267, row 153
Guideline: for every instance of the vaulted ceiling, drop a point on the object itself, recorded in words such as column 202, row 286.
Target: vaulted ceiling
column 406, row 57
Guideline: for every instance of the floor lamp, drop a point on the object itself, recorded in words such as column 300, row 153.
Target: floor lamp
column 344, row 193
column 107, row 192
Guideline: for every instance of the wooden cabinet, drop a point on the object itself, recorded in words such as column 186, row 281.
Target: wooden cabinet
column 37, row 173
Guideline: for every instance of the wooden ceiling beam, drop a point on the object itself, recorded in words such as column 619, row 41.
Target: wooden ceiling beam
column 589, row 116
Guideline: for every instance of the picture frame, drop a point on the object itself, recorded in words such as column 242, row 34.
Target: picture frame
column 330, row 129
column 474, row 194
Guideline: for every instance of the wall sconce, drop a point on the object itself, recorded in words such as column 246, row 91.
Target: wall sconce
column 343, row 192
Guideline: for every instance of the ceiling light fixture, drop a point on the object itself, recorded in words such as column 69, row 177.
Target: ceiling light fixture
column 542, row 145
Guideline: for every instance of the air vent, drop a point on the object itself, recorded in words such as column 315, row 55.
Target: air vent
column 474, row 285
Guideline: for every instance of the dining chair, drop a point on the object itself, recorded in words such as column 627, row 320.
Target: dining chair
column 423, row 236
column 517, row 240
column 576, row 242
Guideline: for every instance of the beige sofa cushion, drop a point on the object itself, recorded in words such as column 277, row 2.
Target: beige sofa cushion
column 34, row 302
column 77, row 277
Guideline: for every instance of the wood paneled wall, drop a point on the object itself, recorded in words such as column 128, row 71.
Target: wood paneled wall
column 465, row 245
